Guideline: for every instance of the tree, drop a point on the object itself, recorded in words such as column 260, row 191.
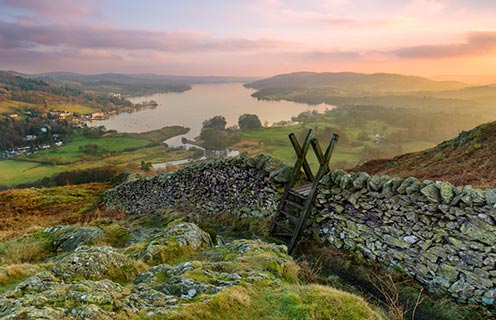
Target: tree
column 217, row 122
column 249, row 121
column 214, row 139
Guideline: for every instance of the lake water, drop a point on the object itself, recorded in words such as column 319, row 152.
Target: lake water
column 202, row 102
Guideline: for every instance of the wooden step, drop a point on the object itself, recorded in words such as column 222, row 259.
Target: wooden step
column 283, row 226
column 281, row 234
column 294, row 204
column 303, row 190
column 291, row 216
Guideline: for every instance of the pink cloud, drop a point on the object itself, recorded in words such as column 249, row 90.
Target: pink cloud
column 96, row 54
column 15, row 35
column 476, row 44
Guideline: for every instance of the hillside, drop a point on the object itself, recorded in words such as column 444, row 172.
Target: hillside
column 380, row 89
column 354, row 83
column 466, row 159
column 19, row 91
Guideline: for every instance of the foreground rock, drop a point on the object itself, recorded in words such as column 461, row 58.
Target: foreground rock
column 103, row 282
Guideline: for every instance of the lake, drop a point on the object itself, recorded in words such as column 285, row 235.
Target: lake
column 202, row 102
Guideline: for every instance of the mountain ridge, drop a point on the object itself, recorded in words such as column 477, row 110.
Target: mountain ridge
column 342, row 80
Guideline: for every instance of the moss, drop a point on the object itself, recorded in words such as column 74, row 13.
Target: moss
column 115, row 235
column 199, row 275
column 173, row 254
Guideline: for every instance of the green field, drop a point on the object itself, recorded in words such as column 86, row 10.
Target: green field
column 72, row 152
column 350, row 149
column 79, row 108
column 14, row 172
column 11, row 106
column 124, row 151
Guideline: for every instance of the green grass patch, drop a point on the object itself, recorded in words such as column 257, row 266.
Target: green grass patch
column 14, row 172
column 11, row 106
column 78, row 108
column 286, row 302
column 82, row 148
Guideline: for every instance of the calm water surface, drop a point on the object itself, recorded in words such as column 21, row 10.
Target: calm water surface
column 204, row 101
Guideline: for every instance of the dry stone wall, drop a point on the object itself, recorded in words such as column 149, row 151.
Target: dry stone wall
column 236, row 185
column 444, row 236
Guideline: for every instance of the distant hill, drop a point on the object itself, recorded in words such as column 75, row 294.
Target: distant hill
column 350, row 83
column 131, row 84
column 468, row 159
column 379, row 89
column 482, row 79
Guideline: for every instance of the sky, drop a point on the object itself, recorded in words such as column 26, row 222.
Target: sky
column 255, row 38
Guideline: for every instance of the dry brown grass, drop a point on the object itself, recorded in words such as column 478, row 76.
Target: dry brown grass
column 462, row 161
column 250, row 147
column 24, row 210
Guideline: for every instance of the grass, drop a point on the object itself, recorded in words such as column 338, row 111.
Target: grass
column 73, row 152
column 31, row 248
column 274, row 141
column 12, row 106
column 14, row 172
column 126, row 151
column 22, row 210
column 78, row 108
column 17, row 171
column 11, row 275
column 287, row 302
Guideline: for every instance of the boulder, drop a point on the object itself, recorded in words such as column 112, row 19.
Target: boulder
column 178, row 235
column 95, row 263
column 68, row 238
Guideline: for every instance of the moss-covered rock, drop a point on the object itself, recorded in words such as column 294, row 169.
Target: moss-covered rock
column 68, row 238
column 174, row 241
column 95, row 263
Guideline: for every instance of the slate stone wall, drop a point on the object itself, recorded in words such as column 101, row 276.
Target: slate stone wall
column 444, row 236
column 237, row 185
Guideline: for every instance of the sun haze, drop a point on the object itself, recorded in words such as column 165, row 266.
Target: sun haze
column 249, row 38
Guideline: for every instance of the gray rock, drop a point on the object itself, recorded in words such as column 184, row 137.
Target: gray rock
column 432, row 193
column 282, row 175
column 68, row 238
column 95, row 263
column 490, row 195
column 360, row 180
column 446, row 191
column 181, row 234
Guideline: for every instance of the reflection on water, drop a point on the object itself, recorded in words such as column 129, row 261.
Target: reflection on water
column 202, row 102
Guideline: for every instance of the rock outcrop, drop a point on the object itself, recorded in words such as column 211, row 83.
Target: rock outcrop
column 105, row 283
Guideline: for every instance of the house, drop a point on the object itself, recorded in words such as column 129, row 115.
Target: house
column 97, row 116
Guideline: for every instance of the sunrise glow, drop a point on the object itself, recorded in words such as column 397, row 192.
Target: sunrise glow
column 249, row 38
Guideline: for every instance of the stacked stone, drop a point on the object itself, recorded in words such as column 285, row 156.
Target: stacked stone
column 237, row 185
column 444, row 236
